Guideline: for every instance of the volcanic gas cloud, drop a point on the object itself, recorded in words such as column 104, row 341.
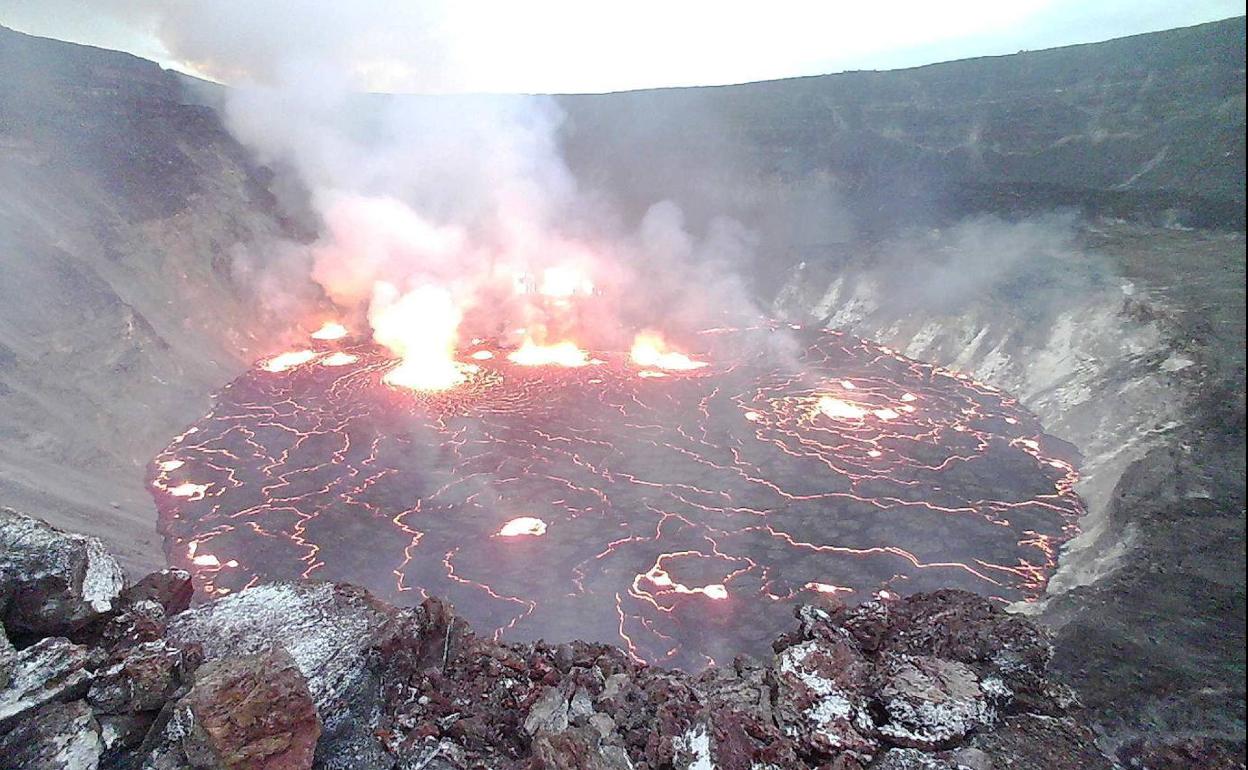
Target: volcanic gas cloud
column 674, row 499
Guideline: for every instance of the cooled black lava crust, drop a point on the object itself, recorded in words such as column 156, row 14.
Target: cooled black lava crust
column 680, row 516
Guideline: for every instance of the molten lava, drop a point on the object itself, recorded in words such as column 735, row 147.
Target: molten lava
column 679, row 516
column 287, row 361
column 421, row 327
column 330, row 330
column 652, row 352
column 559, row 354
column 838, row 409
column 523, row 526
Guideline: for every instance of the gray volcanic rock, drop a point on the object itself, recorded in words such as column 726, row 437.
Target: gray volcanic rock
column 928, row 702
column 52, row 582
column 328, row 629
column 59, row 736
column 1039, row 742
column 127, row 218
column 8, row 659
column 52, row 670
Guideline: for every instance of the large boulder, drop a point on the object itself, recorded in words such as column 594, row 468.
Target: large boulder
column 52, row 670
column 250, row 713
column 822, row 696
column 329, row 630
column 52, row 582
column 929, row 703
column 57, row 736
column 172, row 589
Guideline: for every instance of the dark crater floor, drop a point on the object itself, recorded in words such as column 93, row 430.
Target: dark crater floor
column 681, row 516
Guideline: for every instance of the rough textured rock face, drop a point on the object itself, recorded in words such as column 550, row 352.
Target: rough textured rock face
column 50, row 671
column 56, row 737
column 51, row 580
column 300, row 675
column 1118, row 128
column 250, row 713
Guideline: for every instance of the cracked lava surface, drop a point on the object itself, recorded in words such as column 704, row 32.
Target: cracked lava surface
column 678, row 513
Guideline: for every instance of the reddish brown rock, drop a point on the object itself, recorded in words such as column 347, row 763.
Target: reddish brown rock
column 250, row 713
column 147, row 676
column 821, row 698
column 170, row 588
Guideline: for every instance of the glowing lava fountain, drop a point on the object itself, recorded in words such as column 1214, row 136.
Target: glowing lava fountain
column 679, row 515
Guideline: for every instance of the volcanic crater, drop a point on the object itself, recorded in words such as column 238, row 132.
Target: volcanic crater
column 680, row 513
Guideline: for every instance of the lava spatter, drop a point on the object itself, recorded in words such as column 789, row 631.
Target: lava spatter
column 681, row 516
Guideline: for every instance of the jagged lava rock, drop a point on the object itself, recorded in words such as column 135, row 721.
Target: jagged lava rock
column 8, row 659
column 58, row 736
column 822, row 695
column 250, row 713
column 929, row 703
column 144, row 679
column 52, row 670
column 170, row 588
column 328, row 629
column 53, row 582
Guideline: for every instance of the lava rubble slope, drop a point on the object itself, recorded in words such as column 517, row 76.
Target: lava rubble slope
column 102, row 674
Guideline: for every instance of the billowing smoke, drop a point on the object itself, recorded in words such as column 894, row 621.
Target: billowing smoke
column 463, row 205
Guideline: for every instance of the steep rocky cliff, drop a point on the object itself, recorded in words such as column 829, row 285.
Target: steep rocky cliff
column 121, row 210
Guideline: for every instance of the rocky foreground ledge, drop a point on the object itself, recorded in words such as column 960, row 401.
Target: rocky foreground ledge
column 96, row 673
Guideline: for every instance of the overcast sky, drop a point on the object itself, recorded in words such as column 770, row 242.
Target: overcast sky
column 556, row 46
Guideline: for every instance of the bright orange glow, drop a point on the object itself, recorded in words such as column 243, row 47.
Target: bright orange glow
column 886, row 414
column 482, row 355
column 330, row 330
column 660, row 578
column 285, row 361
column 563, row 282
column 753, row 416
column 909, row 397
column 826, row 588
column 188, row 490
column 650, row 373
column 171, row 465
column 418, row 375
column 650, row 350
column 840, row 410
column 523, row 526
column 421, row 327
column 559, row 354
column 339, row 359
